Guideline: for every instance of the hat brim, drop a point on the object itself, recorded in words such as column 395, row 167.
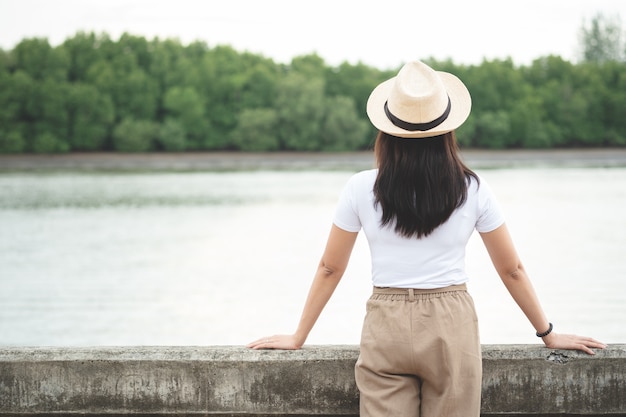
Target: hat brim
column 460, row 99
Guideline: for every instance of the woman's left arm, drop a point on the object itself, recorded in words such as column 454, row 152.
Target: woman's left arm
column 510, row 269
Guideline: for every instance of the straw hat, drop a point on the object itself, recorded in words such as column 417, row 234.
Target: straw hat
column 419, row 102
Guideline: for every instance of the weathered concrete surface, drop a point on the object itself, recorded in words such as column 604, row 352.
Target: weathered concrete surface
column 537, row 381
column 318, row 380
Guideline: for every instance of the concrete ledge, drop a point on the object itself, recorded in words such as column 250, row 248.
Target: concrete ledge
column 318, row 380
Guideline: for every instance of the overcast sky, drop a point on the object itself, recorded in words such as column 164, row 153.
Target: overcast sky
column 382, row 34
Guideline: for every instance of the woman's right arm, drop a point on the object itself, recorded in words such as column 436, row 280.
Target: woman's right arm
column 328, row 274
column 510, row 269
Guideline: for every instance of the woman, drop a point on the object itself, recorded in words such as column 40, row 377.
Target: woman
column 420, row 350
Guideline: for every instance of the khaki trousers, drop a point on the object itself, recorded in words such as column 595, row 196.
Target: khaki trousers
column 420, row 354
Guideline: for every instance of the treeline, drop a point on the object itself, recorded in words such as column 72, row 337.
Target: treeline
column 92, row 93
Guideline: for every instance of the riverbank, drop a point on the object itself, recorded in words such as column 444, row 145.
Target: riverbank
column 228, row 161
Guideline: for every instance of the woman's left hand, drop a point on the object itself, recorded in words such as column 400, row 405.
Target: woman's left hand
column 572, row 342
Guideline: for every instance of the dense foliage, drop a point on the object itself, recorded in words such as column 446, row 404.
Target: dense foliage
column 131, row 95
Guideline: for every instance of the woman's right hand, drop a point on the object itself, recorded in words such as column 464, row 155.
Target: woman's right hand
column 280, row 341
column 572, row 342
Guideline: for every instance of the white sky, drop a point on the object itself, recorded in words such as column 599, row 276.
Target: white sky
column 382, row 34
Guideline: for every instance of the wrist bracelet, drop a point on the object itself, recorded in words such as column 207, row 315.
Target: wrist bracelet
column 547, row 332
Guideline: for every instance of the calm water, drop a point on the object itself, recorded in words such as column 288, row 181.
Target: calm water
column 224, row 258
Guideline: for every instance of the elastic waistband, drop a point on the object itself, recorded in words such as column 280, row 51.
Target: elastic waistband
column 419, row 291
column 411, row 294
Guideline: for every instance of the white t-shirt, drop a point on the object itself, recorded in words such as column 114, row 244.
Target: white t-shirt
column 435, row 261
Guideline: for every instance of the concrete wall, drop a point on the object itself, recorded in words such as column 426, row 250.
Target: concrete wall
column 318, row 380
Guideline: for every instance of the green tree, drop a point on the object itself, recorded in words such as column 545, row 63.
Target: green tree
column 258, row 85
column 93, row 93
column 219, row 84
column 551, row 80
column 172, row 136
column 133, row 92
column 90, row 117
column 613, row 103
column 6, row 62
column 342, row 128
column 169, row 68
column 39, row 60
column 84, row 50
column 46, row 142
column 256, row 130
column 135, row 135
column 494, row 85
column 528, row 128
column 137, row 95
column 354, row 81
column 602, row 39
column 300, row 105
column 48, row 112
column 310, row 66
column 497, row 87
column 466, row 134
column 11, row 141
column 15, row 94
column 138, row 47
column 493, row 129
column 573, row 97
column 185, row 105
column 36, row 110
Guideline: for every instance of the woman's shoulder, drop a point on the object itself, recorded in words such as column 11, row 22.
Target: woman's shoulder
column 361, row 181
column 368, row 175
column 480, row 190
column 476, row 182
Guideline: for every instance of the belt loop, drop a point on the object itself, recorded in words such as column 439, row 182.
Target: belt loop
column 411, row 295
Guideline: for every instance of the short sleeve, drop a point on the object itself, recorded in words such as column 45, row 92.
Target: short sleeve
column 490, row 215
column 346, row 213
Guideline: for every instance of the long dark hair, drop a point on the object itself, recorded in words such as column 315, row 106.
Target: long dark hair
column 420, row 182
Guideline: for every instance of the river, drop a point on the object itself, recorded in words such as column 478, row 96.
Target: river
column 223, row 257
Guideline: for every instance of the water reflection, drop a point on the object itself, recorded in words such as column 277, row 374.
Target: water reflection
column 32, row 191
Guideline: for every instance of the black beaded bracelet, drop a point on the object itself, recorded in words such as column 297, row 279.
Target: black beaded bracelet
column 547, row 332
